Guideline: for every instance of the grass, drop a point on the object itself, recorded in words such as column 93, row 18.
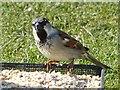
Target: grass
column 93, row 24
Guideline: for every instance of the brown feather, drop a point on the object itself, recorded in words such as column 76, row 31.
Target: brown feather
column 72, row 43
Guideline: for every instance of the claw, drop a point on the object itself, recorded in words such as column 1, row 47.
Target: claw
column 48, row 64
column 70, row 66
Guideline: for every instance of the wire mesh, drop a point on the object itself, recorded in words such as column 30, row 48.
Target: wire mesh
column 78, row 68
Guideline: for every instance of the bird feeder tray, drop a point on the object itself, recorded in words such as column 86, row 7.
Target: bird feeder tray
column 78, row 69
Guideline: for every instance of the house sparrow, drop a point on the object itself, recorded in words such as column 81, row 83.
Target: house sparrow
column 57, row 45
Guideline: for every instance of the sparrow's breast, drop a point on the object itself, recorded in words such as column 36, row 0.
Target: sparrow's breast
column 55, row 49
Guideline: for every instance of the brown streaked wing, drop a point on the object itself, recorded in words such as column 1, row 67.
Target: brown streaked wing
column 71, row 42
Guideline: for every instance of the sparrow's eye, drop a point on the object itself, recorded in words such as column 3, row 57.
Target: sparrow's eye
column 38, row 25
column 42, row 24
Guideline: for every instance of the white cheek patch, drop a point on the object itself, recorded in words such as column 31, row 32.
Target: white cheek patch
column 47, row 28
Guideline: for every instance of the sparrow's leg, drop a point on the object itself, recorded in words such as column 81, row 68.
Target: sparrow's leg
column 48, row 64
column 70, row 66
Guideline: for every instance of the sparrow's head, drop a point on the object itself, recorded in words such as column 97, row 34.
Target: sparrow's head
column 40, row 28
column 39, row 23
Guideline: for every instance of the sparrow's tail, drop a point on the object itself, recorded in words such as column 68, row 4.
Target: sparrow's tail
column 95, row 61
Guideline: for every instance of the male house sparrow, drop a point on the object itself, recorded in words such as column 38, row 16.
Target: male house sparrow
column 57, row 45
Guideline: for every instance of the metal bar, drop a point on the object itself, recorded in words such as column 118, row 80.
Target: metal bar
column 102, row 78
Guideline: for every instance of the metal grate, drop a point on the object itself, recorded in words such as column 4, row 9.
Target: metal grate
column 78, row 68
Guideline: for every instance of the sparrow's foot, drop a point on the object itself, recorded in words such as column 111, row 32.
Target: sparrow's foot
column 70, row 66
column 48, row 64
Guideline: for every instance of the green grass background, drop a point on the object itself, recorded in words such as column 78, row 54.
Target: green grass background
column 93, row 24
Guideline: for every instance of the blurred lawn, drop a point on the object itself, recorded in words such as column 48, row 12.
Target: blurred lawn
column 93, row 24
